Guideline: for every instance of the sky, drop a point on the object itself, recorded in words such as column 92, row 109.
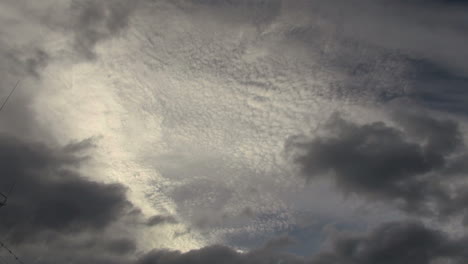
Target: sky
column 234, row 131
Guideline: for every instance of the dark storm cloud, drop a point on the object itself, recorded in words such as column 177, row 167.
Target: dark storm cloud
column 402, row 164
column 55, row 208
column 50, row 195
column 400, row 242
column 121, row 246
column 219, row 254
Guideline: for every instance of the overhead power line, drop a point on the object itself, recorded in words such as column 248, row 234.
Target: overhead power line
column 4, row 198
column 11, row 253
column 9, row 95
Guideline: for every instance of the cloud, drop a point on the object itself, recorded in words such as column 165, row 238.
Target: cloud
column 398, row 242
column 414, row 51
column 55, row 205
column 25, row 62
column 258, row 12
column 400, row 163
column 121, row 246
column 228, row 78
column 161, row 219
column 95, row 21
column 389, row 243
column 50, row 195
column 435, row 87
column 219, row 254
column 85, row 23
column 429, row 30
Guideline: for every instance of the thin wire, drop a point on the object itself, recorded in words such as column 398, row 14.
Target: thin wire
column 13, row 185
column 1, row 108
column 9, row 95
column 11, row 253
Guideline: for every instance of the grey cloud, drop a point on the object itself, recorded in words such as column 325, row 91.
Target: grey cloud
column 399, row 242
column 55, row 208
column 390, row 243
column 87, row 22
column 50, row 195
column 435, row 87
column 279, row 243
column 219, row 254
column 24, row 54
column 248, row 212
column 22, row 62
column 92, row 247
column 203, row 202
column 53, row 202
column 440, row 137
column 19, row 64
column 402, row 164
column 257, row 12
column 121, row 246
column 431, row 31
column 384, row 50
column 205, row 255
column 161, row 219
column 95, row 21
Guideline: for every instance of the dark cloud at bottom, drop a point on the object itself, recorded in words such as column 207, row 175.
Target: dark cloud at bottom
column 49, row 193
column 399, row 242
column 391, row 243
column 54, row 213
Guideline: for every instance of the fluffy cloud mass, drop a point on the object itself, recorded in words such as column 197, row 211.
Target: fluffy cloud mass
column 250, row 131
column 405, row 164
column 50, row 195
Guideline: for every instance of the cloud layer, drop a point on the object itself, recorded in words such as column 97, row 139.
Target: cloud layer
column 145, row 131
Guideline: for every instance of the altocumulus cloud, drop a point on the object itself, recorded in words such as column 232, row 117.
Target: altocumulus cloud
column 56, row 214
